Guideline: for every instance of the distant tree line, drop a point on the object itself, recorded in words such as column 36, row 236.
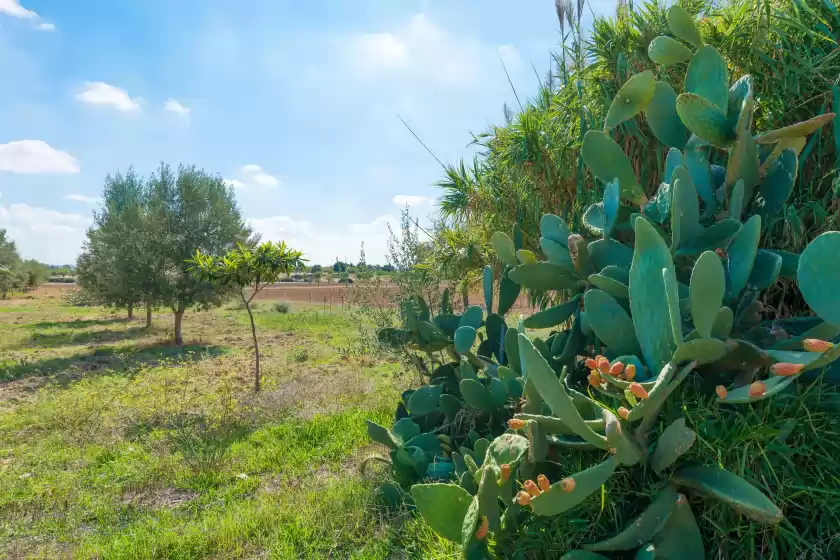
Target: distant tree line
column 137, row 249
column 17, row 274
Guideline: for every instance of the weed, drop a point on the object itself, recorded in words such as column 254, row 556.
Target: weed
column 282, row 307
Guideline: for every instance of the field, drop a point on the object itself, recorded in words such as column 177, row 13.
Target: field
column 116, row 444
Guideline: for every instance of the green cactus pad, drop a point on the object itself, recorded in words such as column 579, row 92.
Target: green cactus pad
column 553, row 316
column 587, row 482
column 708, row 77
column 480, row 450
column 819, row 276
column 682, row 25
column 395, row 338
column 537, row 443
column 705, row 119
column 406, row 429
column 765, row 271
column 702, row 351
column 469, row 525
column 553, row 227
column 736, row 201
column 508, row 292
column 555, row 252
column 648, row 301
column 466, row 369
column 476, row 395
column 666, row 51
column 774, row 385
column 680, row 538
column 777, row 186
column 472, row 317
column 608, row 252
column 674, row 442
column 578, row 250
column 381, row 434
column 607, row 161
column 645, row 526
column 743, row 158
column 697, row 162
column 661, row 113
column 732, row 489
column 610, row 285
column 632, row 98
column 554, row 425
column 447, row 323
column 627, row 453
column 428, row 442
column 811, row 360
column 738, row 92
column 667, row 380
column 487, row 285
column 553, row 392
column 524, row 256
column 708, row 285
column 610, row 322
column 464, row 339
column 612, row 206
column 503, row 245
column 724, row 320
column 673, row 160
column 488, row 498
column 545, row 276
column 795, row 144
column 716, row 236
column 498, row 392
column 424, row 400
column 582, row 555
column 742, row 255
column 799, row 129
column 450, row 406
column 685, row 213
column 670, row 282
column 507, row 449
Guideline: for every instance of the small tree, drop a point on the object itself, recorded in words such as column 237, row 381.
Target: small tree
column 248, row 270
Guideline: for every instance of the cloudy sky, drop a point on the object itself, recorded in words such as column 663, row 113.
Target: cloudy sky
column 294, row 103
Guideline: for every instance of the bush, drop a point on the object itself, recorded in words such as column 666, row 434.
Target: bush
column 283, row 307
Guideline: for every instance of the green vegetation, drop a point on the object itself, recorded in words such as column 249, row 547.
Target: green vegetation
column 17, row 274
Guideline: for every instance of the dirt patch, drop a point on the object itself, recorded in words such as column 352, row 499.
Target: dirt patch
column 311, row 390
column 13, row 393
column 158, row 498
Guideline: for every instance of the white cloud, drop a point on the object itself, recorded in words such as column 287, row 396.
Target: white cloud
column 82, row 198
column 509, row 55
column 44, row 234
column 35, row 156
column 100, row 93
column 382, row 50
column 174, row 106
column 322, row 245
column 14, row 9
column 46, row 27
column 252, row 175
column 411, row 200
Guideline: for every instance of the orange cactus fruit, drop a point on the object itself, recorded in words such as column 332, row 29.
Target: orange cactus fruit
column 721, row 391
column 516, row 424
column 481, row 532
column 638, row 391
column 591, row 363
column 594, row 379
column 543, row 483
column 505, row 471
column 603, row 364
column 630, row 372
column 785, row 369
column 816, row 345
column 531, row 487
column 523, row 498
column 567, row 484
column 616, row 369
column 757, row 389
column 681, row 499
column 623, row 412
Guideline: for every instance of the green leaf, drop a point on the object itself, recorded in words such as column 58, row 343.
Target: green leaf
column 469, row 525
column 424, row 400
column 708, row 285
column 631, row 99
column 708, row 77
column 736, row 201
column 680, row 538
column 607, row 161
column 724, row 319
column 670, row 282
column 405, row 429
column 777, row 186
column 645, row 526
column 732, row 489
column 742, row 255
column 610, row 285
column 472, row 317
column 665, row 51
column 508, row 292
column 702, row 350
column 743, row 158
column 443, row 506
column 705, row 119
column 685, row 212
column 765, row 271
column 662, row 117
column 476, row 395
column 525, row 256
column 587, row 482
column 555, row 252
column 648, row 301
column 795, row 130
column 682, row 25
column 382, row 435
column 487, row 284
column 716, row 236
column 464, row 339
column 610, row 322
column 738, row 92
column 545, row 276
column 553, row 316
column 819, row 276
column 503, row 245
column 609, row 252
column 673, row 443
column 554, row 228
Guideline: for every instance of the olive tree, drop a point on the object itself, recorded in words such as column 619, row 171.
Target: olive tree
column 248, row 270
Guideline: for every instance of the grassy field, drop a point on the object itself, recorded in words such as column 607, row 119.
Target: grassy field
column 116, row 444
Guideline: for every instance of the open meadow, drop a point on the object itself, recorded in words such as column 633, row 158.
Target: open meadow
column 115, row 443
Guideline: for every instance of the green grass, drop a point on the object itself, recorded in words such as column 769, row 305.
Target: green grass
column 116, row 444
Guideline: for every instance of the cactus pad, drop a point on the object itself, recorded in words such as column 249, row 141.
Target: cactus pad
column 645, row 526
column 708, row 77
column 705, row 119
column 553, row 316
column 607, row 161
column 819, row 276
column 682, row 25
column 680, row 538
column 545, row 276
column 674, row 442
column 610, row 322
column 662, row 115
column 708, row 284
column 666, row 51
column 557, row 500
column 503, row 245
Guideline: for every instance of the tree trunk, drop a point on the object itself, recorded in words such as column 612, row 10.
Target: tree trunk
column 148, row 315
column 179, row 314
column 130, row 312
column 465, row 295
column 256, row 347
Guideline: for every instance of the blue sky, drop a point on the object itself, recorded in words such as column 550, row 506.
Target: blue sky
column 294, row 103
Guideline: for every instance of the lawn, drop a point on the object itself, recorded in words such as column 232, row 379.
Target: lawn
column 115, row 443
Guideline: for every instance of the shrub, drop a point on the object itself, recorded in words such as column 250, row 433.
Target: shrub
column 282, row 307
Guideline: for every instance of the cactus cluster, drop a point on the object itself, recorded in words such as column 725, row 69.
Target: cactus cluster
column 655, row 289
